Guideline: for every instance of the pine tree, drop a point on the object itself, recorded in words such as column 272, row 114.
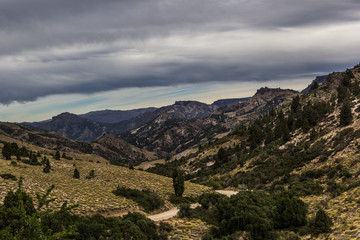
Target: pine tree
column 178, row 182
column 314, row 86
column 6, row 151
column 286, row 133
column 47, row 167
column 346, row 114
column 321, row 224
column 57, row 155
column 76, row 173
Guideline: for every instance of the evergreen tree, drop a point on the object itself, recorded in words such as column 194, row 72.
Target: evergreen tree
column 178, row 182
column 222, row 155
column 76, row 173
column 47, row 167
column 64, row 155
column 343, row 94
column 269, row 135
column 321, row 224
column 290, row 211
column 256, row 135
column 314, row 86
column 306, row 125
column 281, row 115
column 286, row 133
column 6, row 151
column 57, row 155
column 345, row 114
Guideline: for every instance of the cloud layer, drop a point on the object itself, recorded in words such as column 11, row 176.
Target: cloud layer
column 66, row 47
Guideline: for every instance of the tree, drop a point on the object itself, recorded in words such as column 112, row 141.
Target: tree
column 47, row 167
column 57, row 155
column 295, row 104
column 6, row 151
column 290, row 211
column 256, row 135
column 64, row 155
column 314, row 86
column 76, row 173
column 178, row 182
column 345, row 114
column 321, row 224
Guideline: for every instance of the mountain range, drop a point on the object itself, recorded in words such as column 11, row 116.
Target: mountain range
column 279, row 141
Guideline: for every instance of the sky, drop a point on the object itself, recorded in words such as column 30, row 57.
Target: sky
column 84, row 55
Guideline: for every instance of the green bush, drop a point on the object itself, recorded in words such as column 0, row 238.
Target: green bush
column 185, row 211
column 8, row 176
column 305, row 188
column 19, row 219
column 322, row 223
column 180, row 200
column 145, row 198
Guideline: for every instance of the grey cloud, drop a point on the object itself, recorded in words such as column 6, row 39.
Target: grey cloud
column 66, row 46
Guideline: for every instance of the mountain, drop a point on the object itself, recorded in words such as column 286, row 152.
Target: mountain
column 89, row 127
column 167, row 134
column 74, row 127
column 115, row 116
column 308, row 147
column 228, row 101
column 318, row 80
column 118, row 152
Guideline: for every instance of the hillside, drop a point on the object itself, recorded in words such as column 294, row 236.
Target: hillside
column 91, row 126
column 121, row 153
column 309, row 147
column 167, row 134
column 115, row 116
column 92, row 195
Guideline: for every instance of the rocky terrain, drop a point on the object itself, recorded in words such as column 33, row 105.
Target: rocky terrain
column 118, row 152
column 167, row 134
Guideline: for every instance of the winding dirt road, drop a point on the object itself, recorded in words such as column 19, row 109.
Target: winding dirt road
column 174, row 211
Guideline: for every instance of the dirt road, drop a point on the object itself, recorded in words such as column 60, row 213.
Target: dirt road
column 174, row 211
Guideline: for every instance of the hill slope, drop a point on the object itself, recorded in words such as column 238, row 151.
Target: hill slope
column 124, row 153
column 309, row 147
column 167, row 134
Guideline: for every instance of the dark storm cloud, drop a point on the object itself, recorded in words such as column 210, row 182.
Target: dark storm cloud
column 62, row 46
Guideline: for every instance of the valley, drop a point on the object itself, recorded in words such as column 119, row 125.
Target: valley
column 277, row 146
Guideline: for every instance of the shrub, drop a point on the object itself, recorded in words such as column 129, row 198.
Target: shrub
column 91, row 174
column 76, row 173
column 185, row 211
column 322, row 223
column 145, row 198
column 8, row 176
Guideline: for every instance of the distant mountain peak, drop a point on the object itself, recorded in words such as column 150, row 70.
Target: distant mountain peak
column 266, row 90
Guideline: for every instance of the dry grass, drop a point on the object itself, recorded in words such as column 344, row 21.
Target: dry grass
column 92, row 195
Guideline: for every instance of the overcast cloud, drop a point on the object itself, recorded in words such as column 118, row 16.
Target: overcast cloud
column 52, row 47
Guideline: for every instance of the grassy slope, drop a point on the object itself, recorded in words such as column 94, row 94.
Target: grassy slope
column 92, row 195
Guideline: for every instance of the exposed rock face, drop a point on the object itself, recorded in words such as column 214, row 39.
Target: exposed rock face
column 74, row 127
column 168, row 135
column 113, row 147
